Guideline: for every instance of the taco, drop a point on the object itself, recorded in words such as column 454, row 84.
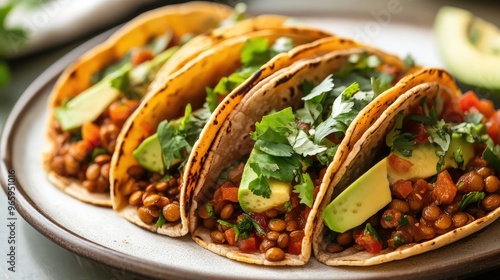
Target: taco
column 229, row 29
column 423, row 176
column 148, row 166
column 254, row 193
column 95, row 95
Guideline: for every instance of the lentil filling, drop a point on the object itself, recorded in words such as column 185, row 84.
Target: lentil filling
column 278, row 229
column 424, row 208
column 84, row 153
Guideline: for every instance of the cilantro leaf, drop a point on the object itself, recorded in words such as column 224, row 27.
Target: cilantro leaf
column 458, row 155
column 4, row 74
column 409, row 61
column 338, row 121
column 401, row 142
column 305, row 189
column 349, row 91
column 440, row 136
column 301, row 144
column 255, row 225
column 279, row 168
column 260, row 186
column 278, row 122
column 470, row 198
column 161, row 220
column 325, row 86
column 492, row 155
column 255, row 52
column 381, row 84
column 177, row 137
column 274, row 149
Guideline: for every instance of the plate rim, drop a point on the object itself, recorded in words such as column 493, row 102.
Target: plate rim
column 123, row 262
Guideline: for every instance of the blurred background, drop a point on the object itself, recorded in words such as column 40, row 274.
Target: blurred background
column 36, row 33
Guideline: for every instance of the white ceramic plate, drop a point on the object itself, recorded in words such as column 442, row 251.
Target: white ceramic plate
column 98, row 234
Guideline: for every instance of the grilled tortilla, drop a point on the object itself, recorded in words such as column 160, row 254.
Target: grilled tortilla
column 187, row 86
column 232, row 144
column 167, row 25
column 430, row 85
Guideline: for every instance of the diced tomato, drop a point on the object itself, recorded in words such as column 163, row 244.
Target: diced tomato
column 230, row 236
column 248, row 245
column 369, row 243
column 294, row 198
column 401, row 165
column 141, row 55
column 259, row 219
column 444, row 189
column 486, row 107
column 307, row 210
column 120, row 111
column 468, row 101
column 402, row 188
column 90, row 134
column 493, row 127
column 418, row 129
column 229, row 193
column 295, row 244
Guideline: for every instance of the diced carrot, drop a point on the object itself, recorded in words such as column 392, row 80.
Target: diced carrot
column 90, row 134
column 444, row 189
column 402, row 188
column 230, row 236
column 229, row 194
column 486, row 107
column 399, row 164
column 120, row 111
column 141, row 55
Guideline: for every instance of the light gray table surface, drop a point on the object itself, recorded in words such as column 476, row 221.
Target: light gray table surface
column 39, row 258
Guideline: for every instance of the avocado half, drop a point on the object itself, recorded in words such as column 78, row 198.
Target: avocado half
column 469, row 47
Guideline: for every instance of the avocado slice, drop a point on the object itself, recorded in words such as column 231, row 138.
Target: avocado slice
column 358, row 202
column 87, row 106
column 249, row 202
column 469, row 47
column 149, row 155
column 363, row 198
column 424, row 160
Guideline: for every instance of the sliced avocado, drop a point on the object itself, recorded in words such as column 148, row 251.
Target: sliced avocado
column 149, row 154
column 89, row 104
column 424, row 160
column 249, row 202
column 469, row 47
column 358, row 202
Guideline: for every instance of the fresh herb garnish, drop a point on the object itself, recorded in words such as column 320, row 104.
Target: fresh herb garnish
column 178, row 136
column 399, row 141
column 305, row 189
column 284, row 141
column 161, row 220
column 254, row 53
column 470, row 198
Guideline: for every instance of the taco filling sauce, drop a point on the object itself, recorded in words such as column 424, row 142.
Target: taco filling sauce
column 262, row 205
column 86, row 130
column 461, row 183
